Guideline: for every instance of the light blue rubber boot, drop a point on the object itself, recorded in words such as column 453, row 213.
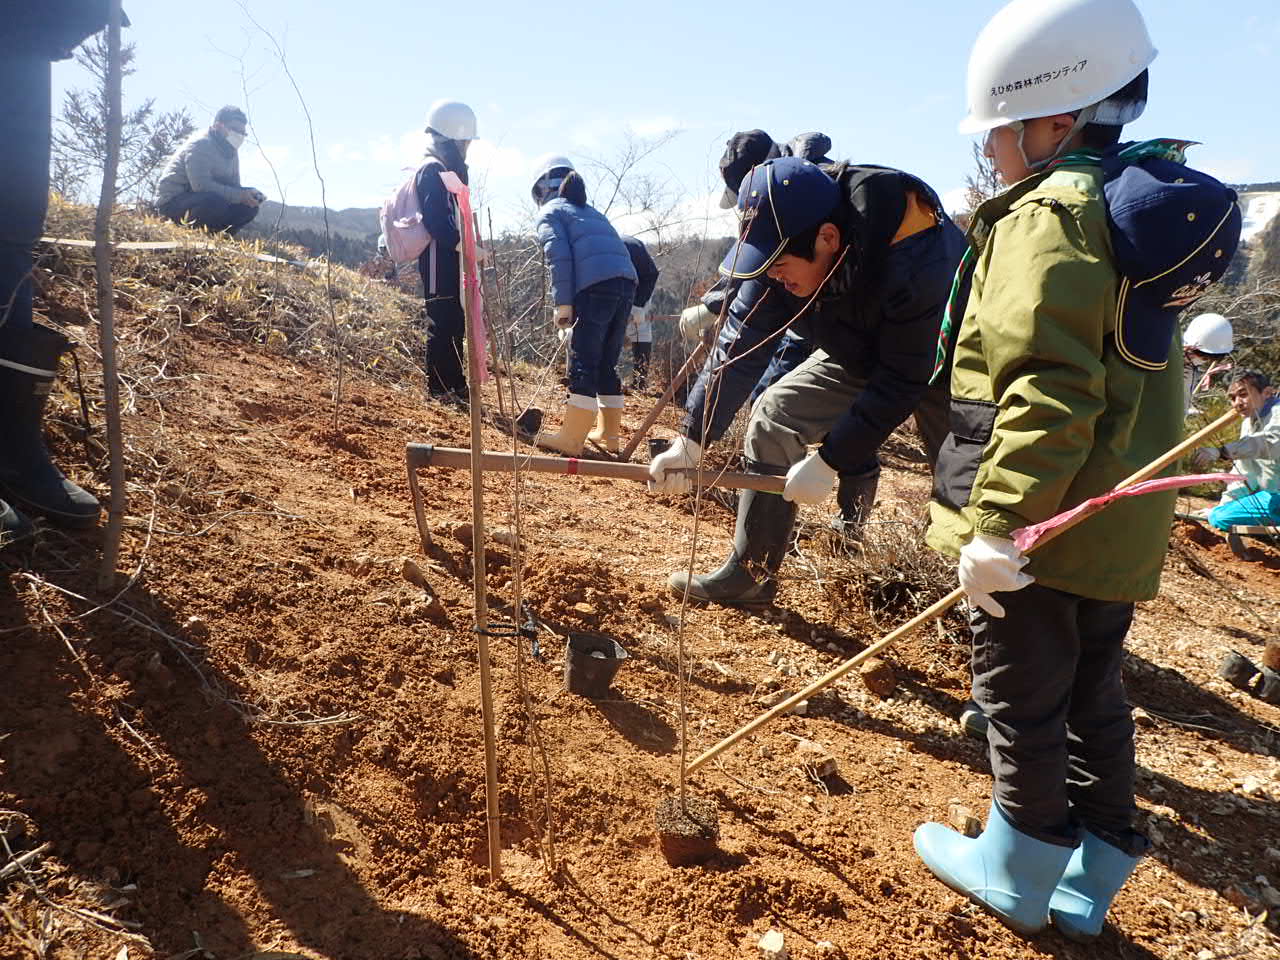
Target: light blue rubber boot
column 1094, row 875
column 1010, row 873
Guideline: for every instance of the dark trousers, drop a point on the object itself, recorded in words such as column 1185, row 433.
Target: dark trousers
column 600, row 312
column 210, row 210
column 24, row 188
column 641, row 351
column 1061, row 733
column 446, row 331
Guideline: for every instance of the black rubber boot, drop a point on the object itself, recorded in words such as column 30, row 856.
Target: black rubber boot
column 855, row 495
column 13, row 526
column 27, row 476
column 760, row 542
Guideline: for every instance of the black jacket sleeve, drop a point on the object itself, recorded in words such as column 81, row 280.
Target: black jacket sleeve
column 646, row 270
column 51, row 28
column 436, row 204
column 739, row 358
column 907, row 337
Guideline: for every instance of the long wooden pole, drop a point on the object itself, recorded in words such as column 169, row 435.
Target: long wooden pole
column 117, row 504
column 479, row 574
column 693, row 363
column 425, row 455
column 946, row 603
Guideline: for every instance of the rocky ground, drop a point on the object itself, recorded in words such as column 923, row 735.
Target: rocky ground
column 265, row 739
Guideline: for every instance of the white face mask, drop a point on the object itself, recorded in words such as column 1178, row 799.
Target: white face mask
column 235, row 139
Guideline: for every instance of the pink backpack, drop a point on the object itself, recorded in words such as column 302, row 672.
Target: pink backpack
column 401, row 222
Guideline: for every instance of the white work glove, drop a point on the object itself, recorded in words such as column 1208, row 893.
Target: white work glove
column 694, row 320
column 992, row 565
column 809, row 481
column 666, row 470
column 637, row 314
column 482, row 255
column 564, row 317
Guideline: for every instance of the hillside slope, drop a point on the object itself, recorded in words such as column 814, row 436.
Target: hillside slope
column 269, row 740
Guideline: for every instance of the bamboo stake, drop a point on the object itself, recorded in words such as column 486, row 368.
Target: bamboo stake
column 946, row 603
column 106, row 307
column 693, row 363
column 479, row 574
column 425, row 455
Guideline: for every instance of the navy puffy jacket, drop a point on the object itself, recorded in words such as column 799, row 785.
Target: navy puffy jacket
column 581, row 247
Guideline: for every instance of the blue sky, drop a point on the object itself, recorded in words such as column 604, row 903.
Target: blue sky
column 885, row 81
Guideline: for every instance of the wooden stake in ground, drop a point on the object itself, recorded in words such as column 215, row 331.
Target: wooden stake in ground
column 693, row 363
column 479, row 567
column 106, row 307
column 947, row 602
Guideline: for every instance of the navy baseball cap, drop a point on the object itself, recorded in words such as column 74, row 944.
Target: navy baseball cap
column 741, row 153
column 779, row 199
column 1174, row 231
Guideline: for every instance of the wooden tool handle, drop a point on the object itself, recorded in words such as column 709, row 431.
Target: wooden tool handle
column 457, row 458
column 946, row 603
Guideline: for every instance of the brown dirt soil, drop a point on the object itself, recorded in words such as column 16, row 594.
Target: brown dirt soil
column 271, row 741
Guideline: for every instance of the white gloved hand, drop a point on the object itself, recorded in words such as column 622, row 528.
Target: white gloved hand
column 1206, row 456
column 638, row 314
column 809, row 481
column 482, row 255
column 992, row 565
column 564, row 316
column 694, row 320
column 666, row 470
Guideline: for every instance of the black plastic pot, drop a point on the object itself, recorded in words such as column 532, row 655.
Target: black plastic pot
column 590, row 664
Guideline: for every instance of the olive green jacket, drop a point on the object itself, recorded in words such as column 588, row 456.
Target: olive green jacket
column 1045, row 412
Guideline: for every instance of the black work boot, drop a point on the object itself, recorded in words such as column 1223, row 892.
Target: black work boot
column 13, row 526
column 27, row 476
column 855, row 495
column 760, row 542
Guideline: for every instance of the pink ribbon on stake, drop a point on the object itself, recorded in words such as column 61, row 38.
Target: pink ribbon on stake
column 471, row 270
column 1027, row 537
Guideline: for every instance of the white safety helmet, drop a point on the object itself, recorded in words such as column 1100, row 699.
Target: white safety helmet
column 1040, row 58
column 1209, row 333
column 548, row 174
column 452, row 119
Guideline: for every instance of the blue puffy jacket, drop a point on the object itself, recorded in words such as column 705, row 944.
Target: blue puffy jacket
column 581, row 247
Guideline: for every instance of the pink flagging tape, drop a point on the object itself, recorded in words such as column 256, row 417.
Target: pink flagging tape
column 474, row 294
column 572, row 469
column 1027, row 537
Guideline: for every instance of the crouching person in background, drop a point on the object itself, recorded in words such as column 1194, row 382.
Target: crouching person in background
column 1256, row 455
column 201, row 182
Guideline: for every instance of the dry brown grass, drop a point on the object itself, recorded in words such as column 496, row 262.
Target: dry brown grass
column 225, row 289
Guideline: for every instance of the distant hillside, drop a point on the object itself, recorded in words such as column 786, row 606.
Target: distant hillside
column 356, row 223
column 353, row 233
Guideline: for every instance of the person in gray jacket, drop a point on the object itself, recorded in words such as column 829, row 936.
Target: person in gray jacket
column 201, row 182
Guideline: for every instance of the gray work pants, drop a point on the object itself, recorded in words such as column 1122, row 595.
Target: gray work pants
column 1047, row 675
column 799, row 410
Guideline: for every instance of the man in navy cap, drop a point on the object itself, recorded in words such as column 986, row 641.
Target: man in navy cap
column 860, row 262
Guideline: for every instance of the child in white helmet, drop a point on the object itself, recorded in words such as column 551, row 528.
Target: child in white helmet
column 1065, row 381
column 593, row 283
column 450, row 128
column 1206, row 344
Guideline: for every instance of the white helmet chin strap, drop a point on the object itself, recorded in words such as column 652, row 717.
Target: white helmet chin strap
column 1083, row 118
